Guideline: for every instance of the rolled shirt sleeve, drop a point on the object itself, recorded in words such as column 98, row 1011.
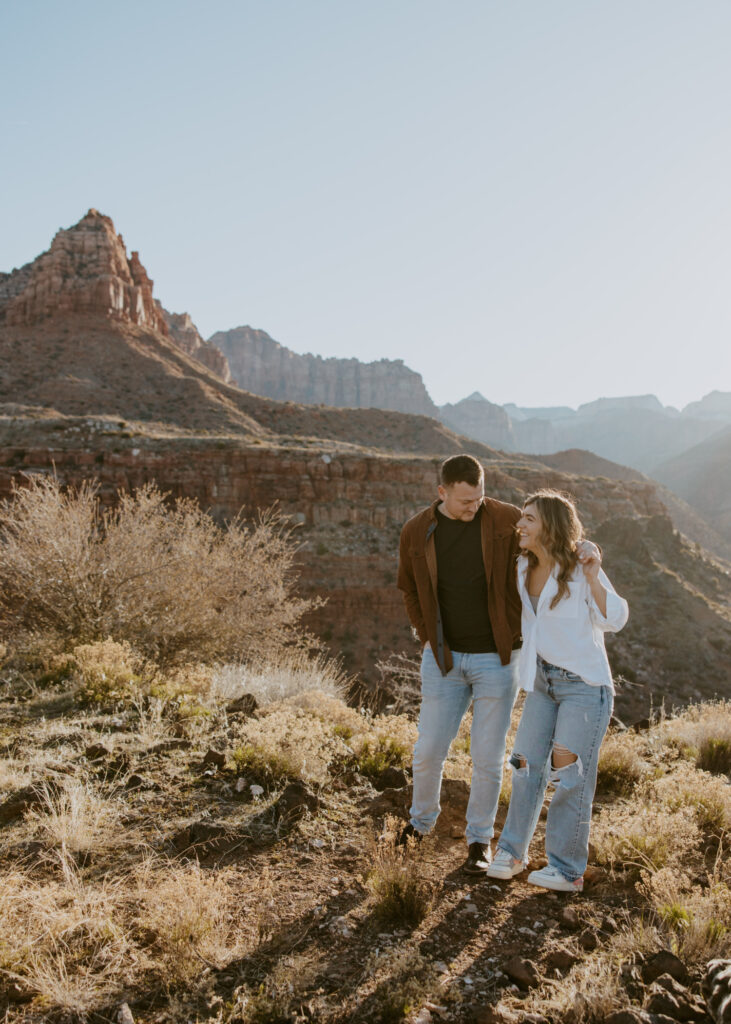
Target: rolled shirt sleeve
column 617, row 608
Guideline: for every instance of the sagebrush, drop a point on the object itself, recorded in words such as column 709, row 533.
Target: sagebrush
column 159, row 575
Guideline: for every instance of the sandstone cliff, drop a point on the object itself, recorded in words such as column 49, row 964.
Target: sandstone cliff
column 86, row 270
column 262, row 365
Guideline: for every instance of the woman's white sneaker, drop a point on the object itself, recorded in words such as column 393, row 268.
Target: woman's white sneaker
column 551, row 878
column 504, row 865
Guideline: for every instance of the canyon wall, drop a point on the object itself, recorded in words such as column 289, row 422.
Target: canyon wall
column 349, row 510
column 263, row 366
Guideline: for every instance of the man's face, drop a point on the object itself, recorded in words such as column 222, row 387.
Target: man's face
column 461, row 500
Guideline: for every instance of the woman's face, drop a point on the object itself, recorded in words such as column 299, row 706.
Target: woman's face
column 530, row 528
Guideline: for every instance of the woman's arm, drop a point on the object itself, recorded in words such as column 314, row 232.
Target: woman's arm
column 613, row 610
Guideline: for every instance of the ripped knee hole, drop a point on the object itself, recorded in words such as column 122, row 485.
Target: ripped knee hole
column 562, row 757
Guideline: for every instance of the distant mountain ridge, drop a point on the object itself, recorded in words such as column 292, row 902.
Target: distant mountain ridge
column 261, row 365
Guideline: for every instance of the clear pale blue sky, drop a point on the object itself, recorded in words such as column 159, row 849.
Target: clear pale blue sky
column 524, row 197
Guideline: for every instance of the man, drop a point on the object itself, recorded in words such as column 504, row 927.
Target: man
column 457, row 574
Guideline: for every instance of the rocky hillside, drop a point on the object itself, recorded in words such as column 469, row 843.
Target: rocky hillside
column 702, row 476
column 262, row 365
column 81, row 333
column 220, row 848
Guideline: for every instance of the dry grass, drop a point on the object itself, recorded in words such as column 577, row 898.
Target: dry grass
column 620, row 766
column 64, row 940
column 703, row 733
column 290, row 675
column 195, row 919
column 588, row 995
column 280, row 995
column 163, row 577
column 75, row 817
column 401, row 896
column 707, row 795
column 642, row 836
column 76, row 944
column 695, row 919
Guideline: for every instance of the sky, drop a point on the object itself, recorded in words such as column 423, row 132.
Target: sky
column 526, row 198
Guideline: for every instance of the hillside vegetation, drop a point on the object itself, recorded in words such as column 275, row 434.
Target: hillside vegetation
column 207, row 833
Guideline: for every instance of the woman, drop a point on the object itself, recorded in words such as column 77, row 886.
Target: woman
column 568, row 605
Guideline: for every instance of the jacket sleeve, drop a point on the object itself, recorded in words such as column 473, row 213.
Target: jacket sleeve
column 407, row 585
column 617, row 608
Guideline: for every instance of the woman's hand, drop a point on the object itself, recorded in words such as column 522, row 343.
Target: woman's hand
column 590, row 558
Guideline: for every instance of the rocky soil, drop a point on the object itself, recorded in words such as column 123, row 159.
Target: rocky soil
column 307, row 939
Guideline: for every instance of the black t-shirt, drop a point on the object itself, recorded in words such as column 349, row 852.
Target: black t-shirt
column 462, row 587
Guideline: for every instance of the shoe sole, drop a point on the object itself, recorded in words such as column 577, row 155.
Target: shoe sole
column 505, row 876
column 567, row 887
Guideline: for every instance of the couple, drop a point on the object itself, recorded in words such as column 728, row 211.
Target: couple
column 477, row 573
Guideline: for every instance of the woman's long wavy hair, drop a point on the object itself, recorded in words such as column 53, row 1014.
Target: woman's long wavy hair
column 561, row 532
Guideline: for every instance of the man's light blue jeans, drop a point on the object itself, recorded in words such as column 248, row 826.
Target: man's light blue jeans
column 565, row 712
column 479, row 679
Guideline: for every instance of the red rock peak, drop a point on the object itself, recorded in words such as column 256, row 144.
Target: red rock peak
column 86, row 270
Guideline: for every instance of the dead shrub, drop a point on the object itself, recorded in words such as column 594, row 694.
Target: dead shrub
column 160, row 576
column 103, row 671
column 287, row 742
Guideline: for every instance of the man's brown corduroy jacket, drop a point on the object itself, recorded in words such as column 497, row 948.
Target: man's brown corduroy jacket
column 417, row 578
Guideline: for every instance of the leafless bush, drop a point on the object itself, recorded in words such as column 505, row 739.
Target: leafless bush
column 163, row 577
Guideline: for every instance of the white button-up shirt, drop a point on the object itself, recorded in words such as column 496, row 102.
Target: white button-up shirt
column 571, row 635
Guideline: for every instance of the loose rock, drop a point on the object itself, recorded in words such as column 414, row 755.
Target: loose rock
column 663, row 962
column 569, row 919
column 296, row 800
column 390, row 778
column 214, row 757
column 561, row 960
column 523, row 972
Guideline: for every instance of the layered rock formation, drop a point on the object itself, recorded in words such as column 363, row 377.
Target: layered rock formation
column 86, row 270
column 185, row 333
column 262, row 365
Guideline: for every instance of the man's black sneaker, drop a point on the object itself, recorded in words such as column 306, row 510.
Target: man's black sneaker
column 409, row 832
column 479, row 857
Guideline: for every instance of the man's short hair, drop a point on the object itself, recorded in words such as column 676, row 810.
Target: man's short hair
column 461, row 469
